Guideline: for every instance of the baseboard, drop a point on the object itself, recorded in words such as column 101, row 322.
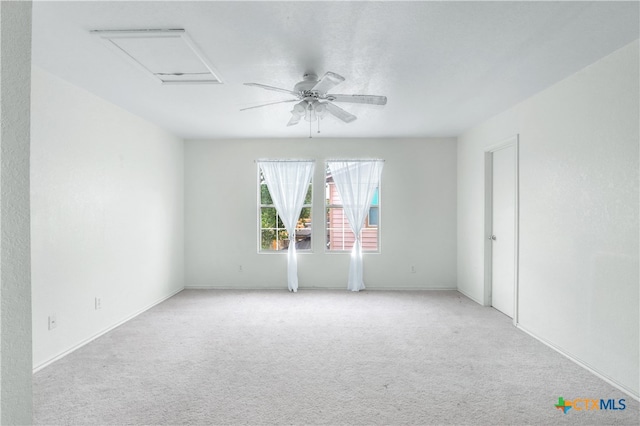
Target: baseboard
column 470, row 297
column 582, row 364
column 106, row 330
column 411, row 288
column 212, row 287
column 196, row 287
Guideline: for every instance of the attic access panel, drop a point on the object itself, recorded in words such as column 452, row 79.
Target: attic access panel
column 169, row 56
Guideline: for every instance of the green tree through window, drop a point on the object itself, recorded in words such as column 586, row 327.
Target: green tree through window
column 273, row 234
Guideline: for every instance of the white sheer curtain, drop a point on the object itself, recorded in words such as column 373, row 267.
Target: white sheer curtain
column 356, row 182
column 288, row 182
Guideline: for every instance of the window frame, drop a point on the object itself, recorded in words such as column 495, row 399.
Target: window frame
column 366, row 226
column 260, row 206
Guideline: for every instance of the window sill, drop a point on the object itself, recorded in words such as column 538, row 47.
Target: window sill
column 349, row 252
column 284, row 251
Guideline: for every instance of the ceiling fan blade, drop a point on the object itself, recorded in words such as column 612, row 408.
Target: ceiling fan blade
column 270, row 103
column 295, row 119
column 275, row 89
column 328, row 82
column 339, row 112
column 359, row 99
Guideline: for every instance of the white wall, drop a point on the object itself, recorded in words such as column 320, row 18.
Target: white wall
column 418, row 214
column 579, row 209
column 107, row 214
column 15, row 290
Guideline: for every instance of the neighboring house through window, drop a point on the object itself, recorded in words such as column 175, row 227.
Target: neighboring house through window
column 339, row 234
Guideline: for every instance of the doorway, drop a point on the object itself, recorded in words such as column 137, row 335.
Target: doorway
column 501, row 226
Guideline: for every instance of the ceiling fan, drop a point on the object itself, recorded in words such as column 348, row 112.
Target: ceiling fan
column 313, row 100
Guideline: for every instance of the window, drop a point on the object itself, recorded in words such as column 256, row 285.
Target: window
column 374, row 214
column 339, row 234
column 273, row 234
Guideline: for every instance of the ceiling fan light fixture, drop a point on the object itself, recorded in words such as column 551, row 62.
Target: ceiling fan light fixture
column 320, row 109
column 299, row 108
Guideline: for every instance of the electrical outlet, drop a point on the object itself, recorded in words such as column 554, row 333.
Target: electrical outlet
column 98, row 303
column 239, row 268
column 53, row 322
column 413, row 269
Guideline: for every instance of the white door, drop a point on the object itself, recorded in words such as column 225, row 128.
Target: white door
column 503, row 229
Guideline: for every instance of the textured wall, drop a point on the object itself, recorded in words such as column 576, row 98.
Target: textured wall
column 579, row 213
column 417, row 214
column 15, row 289
column 107, row 214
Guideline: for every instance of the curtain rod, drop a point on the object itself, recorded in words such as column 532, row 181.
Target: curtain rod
column 354, row 161
column 289, row 160
column 284, row 161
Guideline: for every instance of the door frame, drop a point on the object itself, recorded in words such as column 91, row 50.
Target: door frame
column 488, row 219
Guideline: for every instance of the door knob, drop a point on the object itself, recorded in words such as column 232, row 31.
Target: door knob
column 493, row 237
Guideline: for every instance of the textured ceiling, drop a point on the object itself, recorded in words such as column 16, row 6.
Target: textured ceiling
column 444, row 66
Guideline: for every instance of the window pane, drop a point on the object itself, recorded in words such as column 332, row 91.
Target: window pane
column 373, row 216
column 369, row 239
column 374, row 200
column 339, row 234
column 265, row 196
column 268, row 239
column 305, row 218
column 333, row 196
column 274, row 239
column 308, row 197
column 303, row 230
column 268, row 217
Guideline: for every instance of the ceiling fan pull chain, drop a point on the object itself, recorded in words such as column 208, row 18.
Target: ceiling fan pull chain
column 309, row 129
column 319, row 124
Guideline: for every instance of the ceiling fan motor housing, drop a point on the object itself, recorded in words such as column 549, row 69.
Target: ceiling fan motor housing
column 309, row 80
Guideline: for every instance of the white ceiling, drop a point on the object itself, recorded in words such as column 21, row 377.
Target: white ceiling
column 444, row 66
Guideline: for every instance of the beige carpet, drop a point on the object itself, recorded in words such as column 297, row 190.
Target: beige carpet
column 318, row 357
